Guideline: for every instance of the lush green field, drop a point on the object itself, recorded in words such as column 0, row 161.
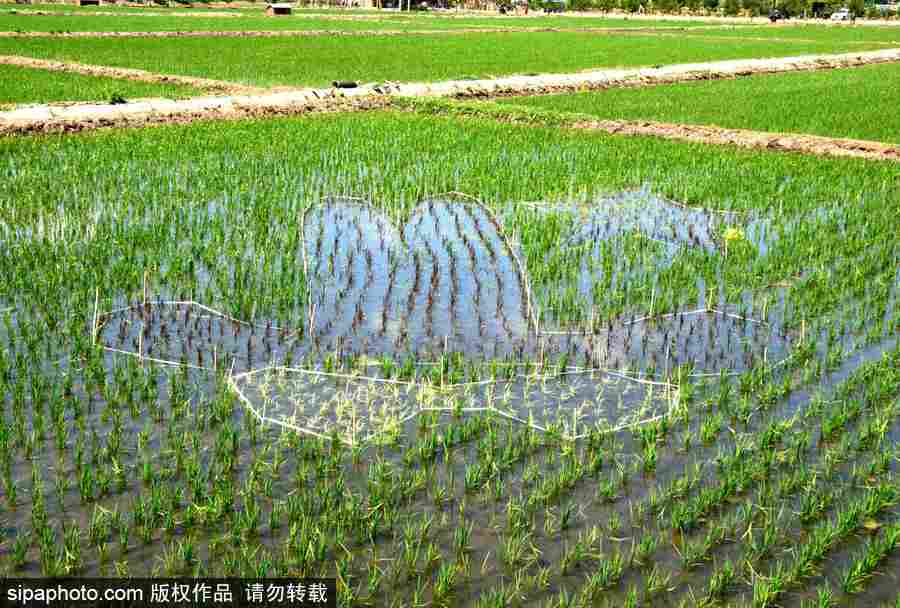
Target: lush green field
column 22, row 85
column 298, row 22
column 127, row 23
column 754, row 485
column 318, row 61
column 848, row 103
column 499, row 163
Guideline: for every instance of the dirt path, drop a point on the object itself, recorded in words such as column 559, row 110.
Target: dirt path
column 743, row 138
column 204, row 84
column 369, row 33
column 630, row 31
column 149, row 112
column 603, row 79
column 77, row 117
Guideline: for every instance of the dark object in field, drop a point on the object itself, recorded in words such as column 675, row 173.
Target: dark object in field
column 345, row 84
column 279, row 9
column 88, row 2
column 554, row 6
column 775, row 15
column 512, row 6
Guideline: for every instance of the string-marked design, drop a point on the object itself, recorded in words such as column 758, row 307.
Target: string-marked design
column 436, row 316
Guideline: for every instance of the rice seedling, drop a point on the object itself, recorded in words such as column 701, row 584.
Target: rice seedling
column 242, row 58
column 523, row 475
column 39, row 86
column 864, row 564
column 685, row 103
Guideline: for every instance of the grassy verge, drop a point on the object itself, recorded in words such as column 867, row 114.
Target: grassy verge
column 317, row 61
column 850, row 103
column 23, row 85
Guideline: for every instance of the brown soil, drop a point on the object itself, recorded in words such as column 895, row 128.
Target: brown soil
column 789, row 142
column 204, row 84
column 72, row 124
column 602, row 79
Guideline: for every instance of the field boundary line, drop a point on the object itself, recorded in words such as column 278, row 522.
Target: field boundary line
column 511, row 86
column 388, row 33
column 817, row 145
column 318, row 33
column 75, row 117
column 204, row 84
column 706, row 20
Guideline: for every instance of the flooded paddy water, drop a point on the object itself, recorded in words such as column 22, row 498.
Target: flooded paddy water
column 445, row 305
column 469, row 404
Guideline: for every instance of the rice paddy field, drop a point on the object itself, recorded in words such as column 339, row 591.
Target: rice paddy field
column 457, row 354
column 133, row 21
column 846, row 103
column 320, row 60
column 22, row 85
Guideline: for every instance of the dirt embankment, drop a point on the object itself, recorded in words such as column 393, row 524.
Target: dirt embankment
column 151, row 112
column 88, row 116
column 743, row 138
column 363, row 33
column 631, row 31
column 204, row 84
column 602, row 79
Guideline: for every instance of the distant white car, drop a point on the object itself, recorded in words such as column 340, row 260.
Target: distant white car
column 841, row 15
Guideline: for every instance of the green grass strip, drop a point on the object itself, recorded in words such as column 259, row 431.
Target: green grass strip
column 25, row 85
column 852, row 103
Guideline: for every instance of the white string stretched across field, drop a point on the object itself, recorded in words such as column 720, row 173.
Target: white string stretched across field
column 352, row 416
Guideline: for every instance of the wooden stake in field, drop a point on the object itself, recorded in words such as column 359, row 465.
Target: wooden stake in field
column 94, row 322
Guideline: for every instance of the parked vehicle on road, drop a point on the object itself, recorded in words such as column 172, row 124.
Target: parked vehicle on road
column 842, row 15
